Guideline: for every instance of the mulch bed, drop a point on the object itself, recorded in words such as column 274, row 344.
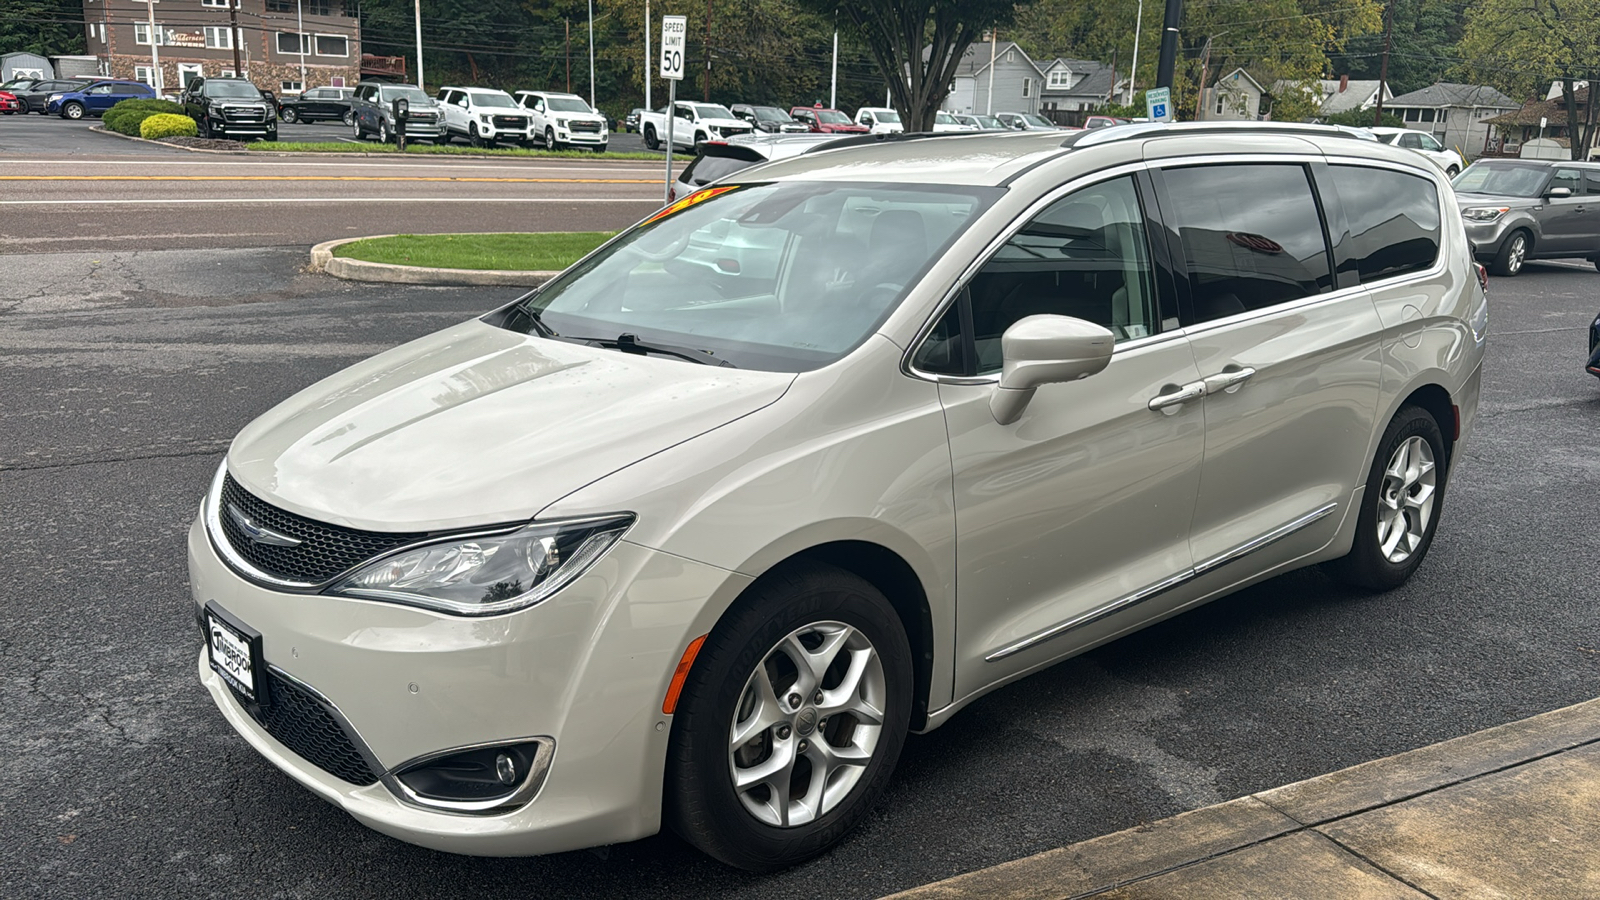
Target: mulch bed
column 200, row 143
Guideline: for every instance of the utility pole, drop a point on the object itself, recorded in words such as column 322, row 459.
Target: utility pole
column 1133, row 73
column 235, row 38
column 155, row 55
column 419, row 45
column 1169, row 44
column 994, row 39
column 591, row 54
column 1383, row 71
column 708, row 51
column 305, row 45
column 833, row 86
column 648, row 62
column 568, row 23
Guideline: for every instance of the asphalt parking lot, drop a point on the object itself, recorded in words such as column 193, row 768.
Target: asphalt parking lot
column 128, row 371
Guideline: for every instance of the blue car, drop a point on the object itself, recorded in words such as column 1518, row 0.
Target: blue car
column 95, row 98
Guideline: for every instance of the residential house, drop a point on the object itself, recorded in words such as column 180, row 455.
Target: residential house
column 1236, row 96
column 1337, row 95
column 1074, row 86
column 1511, row 130
column 282, row 45
column 1455, row 114
column 1010, row 84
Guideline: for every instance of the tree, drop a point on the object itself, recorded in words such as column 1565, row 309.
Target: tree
column 45, row 27
column 917, row 44
column 1531, row 40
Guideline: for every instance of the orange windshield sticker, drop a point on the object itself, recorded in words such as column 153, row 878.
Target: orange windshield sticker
column 699, row 196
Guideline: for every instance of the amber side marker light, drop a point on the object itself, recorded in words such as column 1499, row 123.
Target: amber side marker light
column 682, row 674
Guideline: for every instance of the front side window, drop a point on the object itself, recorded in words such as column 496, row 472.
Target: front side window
column 1252, row 236
column 1428, row 143
column 1571, row 179
column 785, row 276
column 1086, row 256
column 1395, row 224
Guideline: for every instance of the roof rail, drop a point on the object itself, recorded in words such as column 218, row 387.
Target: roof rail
column 862, row 140
column 1132, row 130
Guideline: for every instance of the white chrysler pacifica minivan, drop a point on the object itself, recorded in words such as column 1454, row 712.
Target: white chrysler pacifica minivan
column 697, row 532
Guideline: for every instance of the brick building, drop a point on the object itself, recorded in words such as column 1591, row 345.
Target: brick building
column 282, row 45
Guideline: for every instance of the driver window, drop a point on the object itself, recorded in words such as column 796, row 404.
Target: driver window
column 1428, row 143
column 1411, row 142
column 1086, row 256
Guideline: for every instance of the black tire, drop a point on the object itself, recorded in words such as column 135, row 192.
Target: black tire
column 383, row 132
column 1366, row 566
column 1513, row 254
column 205, row 127
column 473, row 137
column 1452, row 171
column 289, row 116
column 600, row 149
column 550, row 139
column 72, row 111
column 650, row 140
column 699, row 139
column 701, row 803
column 348, row 117
column 272, row 135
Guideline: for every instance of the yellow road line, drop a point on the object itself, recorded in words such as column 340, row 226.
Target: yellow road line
column 328, row 178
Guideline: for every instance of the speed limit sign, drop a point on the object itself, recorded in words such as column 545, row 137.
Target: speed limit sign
column 674, row 33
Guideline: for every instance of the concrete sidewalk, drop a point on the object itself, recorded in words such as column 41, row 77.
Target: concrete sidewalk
column 1511, row 812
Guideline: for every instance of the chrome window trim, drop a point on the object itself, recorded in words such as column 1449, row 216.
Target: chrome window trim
column 518, row 797
column 1004, row 235
column 1160, row 587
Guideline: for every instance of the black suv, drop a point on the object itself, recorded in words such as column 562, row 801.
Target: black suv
column 230, row 107
column 324, row 103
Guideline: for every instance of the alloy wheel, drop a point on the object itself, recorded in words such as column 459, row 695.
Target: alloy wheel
column 1518, row 255
column 288, row 116
column 74, row 111
column 1406, row 499
column 807, row 724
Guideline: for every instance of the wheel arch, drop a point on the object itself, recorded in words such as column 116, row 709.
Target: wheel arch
column 1437, row 401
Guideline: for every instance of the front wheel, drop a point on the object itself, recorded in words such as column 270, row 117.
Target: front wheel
column 355, row 129
column 650, row 140
column 383, row 132
column 272, row 136
column 1513, row 253
column 1453, row 171
column 1400, row 508
column 289, row 116
column 72, row 111
column 550, row 139
column 792, row 719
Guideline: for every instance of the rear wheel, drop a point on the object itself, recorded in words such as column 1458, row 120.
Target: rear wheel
column 792, row 719
column 1453, row 171
column 650, row 139
column 1400, row 508
column 1513, row 253
column 348, row 117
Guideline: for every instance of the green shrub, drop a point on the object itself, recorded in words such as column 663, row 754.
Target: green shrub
column 125, row 117
column 161, row 125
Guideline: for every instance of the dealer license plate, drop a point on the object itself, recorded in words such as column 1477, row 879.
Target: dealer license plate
column 232, row 654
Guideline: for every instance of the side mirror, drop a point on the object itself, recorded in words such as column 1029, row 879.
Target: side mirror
column 1555, row 193
column 1046, row 350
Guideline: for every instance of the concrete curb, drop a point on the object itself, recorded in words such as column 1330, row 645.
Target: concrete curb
column 1114, row 860
column 356, row 154
column 323, row 260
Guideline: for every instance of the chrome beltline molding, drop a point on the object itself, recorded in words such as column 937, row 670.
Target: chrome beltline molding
column 1145, row 593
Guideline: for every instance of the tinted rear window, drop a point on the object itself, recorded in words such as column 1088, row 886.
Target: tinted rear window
column 1252, row 236
column 1394, row 220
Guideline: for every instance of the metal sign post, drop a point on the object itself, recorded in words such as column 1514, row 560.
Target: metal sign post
column 674, row 37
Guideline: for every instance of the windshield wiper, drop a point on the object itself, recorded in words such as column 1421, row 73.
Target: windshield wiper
column 630, row 343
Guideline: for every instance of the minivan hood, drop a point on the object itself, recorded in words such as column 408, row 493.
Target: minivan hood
column 477, row 425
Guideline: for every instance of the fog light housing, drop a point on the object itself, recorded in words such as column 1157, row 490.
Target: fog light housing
column 480, row 779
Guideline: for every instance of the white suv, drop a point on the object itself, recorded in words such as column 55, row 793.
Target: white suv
column 565, row 120
column 881, row 120
column 1421, row 142
column 697, row 545
column 485, row 117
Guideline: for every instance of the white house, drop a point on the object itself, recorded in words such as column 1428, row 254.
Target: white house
column 1235, row 96
column 1455, row 114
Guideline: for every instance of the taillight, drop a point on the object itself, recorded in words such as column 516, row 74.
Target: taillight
column 1483, row 276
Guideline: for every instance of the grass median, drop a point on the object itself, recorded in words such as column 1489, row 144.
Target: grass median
column 440, row 150
column 545, row 252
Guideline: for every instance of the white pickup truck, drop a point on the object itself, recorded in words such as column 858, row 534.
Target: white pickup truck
column 696, row 124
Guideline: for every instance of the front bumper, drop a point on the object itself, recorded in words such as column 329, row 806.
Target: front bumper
column 587, row 668
column 431, row 130
column 582, row 137
column 1486, row 237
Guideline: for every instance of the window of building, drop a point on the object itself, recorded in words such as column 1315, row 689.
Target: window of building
column 1444, row 115
column 1427, row 115
column 1061, row 78
column 280, row 6
column 141, row 34
column 333, row 45
column 145, row 74
column 1027, row 87
column 292, row 44
column 229, row 73
column 289, row 87
column 1247, row 256
column 219, row 37
column 1222, row 103
column 1395, row 224
column 1085, row 256
column 219, row 3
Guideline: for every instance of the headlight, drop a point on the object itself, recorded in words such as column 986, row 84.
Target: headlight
column 1484, row 213
column 486, row 575
column 484, row 118
column 52, row 98
column 561, row 123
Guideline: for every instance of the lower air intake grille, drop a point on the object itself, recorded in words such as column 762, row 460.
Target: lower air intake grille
column 299, row 721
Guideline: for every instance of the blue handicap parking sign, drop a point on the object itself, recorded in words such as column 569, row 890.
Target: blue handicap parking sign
column 1158, row 111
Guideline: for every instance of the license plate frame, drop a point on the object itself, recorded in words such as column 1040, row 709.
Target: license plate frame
column 234, row 651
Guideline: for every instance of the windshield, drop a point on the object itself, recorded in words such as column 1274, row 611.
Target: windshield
column 1038, row 121
column 784, row 276
column 769, row 114
column 1504, row 180
column 567, row 104
column 233, row 90
column 408, row 94
column 944, row 118
column 989, row 122
column 832, row 117
column 492, row 99
column 713, row 111
column 886, row 115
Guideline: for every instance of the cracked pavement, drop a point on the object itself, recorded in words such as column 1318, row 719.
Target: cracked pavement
column 126, row 373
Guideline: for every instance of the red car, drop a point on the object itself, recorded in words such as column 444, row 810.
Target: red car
column 9, row 103
column 827, row 121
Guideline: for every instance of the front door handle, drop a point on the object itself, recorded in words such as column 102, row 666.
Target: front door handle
column 1228, row 380
column 1169, row 401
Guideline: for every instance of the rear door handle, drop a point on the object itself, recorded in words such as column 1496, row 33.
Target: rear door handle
column 1228, row 380
column 1171, row 400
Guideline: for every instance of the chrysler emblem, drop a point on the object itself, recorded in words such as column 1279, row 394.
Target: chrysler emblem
column 261, row 534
